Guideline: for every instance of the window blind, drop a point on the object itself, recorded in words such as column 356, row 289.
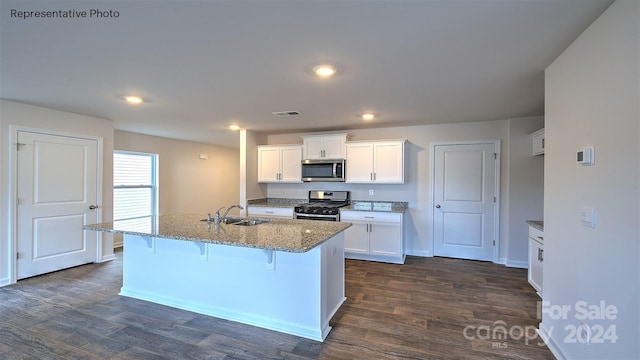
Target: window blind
column 134, row 180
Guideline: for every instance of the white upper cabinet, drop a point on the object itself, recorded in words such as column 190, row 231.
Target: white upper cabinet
column 324, row 146
column 538, row 142
column 281, row 163
column 380, row 162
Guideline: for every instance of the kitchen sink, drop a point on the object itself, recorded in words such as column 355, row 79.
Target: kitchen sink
column 252, row 221
column 233, row 220
column 229, row 219
column 242, row 221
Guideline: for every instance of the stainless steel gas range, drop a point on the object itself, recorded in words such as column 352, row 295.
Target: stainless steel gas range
column 323, row 205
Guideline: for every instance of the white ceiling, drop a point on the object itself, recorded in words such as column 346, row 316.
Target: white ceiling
column 207, row 64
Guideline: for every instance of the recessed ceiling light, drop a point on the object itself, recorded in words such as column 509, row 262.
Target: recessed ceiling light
column 324, row 71
column 368, row 116
column 234, row 127
column 133, row 100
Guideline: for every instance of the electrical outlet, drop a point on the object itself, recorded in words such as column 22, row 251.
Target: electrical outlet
column 371, row 193
column 583, row 332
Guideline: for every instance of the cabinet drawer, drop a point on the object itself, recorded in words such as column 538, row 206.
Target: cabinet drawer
column 536, row 234
column 270, row 211
column 370, row 216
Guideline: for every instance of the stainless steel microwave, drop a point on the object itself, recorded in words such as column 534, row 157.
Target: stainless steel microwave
column 323, row 170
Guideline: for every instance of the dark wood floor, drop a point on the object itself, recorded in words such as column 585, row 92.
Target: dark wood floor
column 419, row 310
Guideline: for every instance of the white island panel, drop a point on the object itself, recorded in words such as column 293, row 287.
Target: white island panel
column 295, row 293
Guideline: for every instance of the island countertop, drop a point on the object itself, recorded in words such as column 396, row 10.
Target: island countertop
column 277, row 234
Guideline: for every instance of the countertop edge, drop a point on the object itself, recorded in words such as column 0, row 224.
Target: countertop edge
column 537, row 224
column 217, row 242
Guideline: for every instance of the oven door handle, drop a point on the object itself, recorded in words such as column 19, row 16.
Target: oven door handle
column 335, row 170
column 311, row 216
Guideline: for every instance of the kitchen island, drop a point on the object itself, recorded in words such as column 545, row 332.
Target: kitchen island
column 284, row 275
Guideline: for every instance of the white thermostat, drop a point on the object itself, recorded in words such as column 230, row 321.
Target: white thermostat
column 584, row 157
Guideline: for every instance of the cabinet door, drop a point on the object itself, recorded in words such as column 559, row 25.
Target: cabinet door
column 538, row 142
column 291, row 159
column 268, row 164
column 334, row 147
column 536, row 258
column 359, row 163
column 385, row 238
column 313, row 147
column 388, row 164
column 356, row 238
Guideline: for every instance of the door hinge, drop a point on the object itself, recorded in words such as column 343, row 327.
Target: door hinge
column 18, row 201
column 494, row 199
column 494, row 243
column 18, row 255
column 495, row 156
column 19, row 146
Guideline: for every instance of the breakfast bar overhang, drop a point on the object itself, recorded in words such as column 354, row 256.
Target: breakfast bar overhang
column 283, row 275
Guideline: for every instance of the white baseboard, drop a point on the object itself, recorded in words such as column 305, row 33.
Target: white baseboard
column 517, row 264
column 5, row 282
column 108, row 258
column 545, row 335
column 421, row 253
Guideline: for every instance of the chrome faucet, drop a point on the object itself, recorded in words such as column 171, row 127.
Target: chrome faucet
column 216, row 217
column 229, row 209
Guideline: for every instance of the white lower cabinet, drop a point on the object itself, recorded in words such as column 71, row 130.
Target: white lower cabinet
column 536, row 258
column 270, row 212
column 374, row 236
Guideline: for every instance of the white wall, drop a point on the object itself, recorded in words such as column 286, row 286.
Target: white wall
column 249, row 186
column 592, row 94
column 525, row 187
column 17, row 114
column 417, row 188
column 188, row 184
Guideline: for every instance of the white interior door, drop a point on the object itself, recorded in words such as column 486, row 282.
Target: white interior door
column 465, row 186
column 57, row 190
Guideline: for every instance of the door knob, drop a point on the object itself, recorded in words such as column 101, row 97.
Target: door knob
column 93, row 207
column 437, row 206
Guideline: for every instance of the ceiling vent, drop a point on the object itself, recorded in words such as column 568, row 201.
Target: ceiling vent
column 286, row 113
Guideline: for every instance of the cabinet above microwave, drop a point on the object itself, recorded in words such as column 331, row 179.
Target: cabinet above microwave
column 326, row 146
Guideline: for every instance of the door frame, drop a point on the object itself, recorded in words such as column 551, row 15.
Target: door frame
column 496, row 208
column 13, row 190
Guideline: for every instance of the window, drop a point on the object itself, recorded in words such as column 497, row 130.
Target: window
column 135, row 187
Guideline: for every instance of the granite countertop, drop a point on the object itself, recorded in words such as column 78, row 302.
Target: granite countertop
column 277, row 234
column 276, row 202
column 538, row 224
column 380, row 206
